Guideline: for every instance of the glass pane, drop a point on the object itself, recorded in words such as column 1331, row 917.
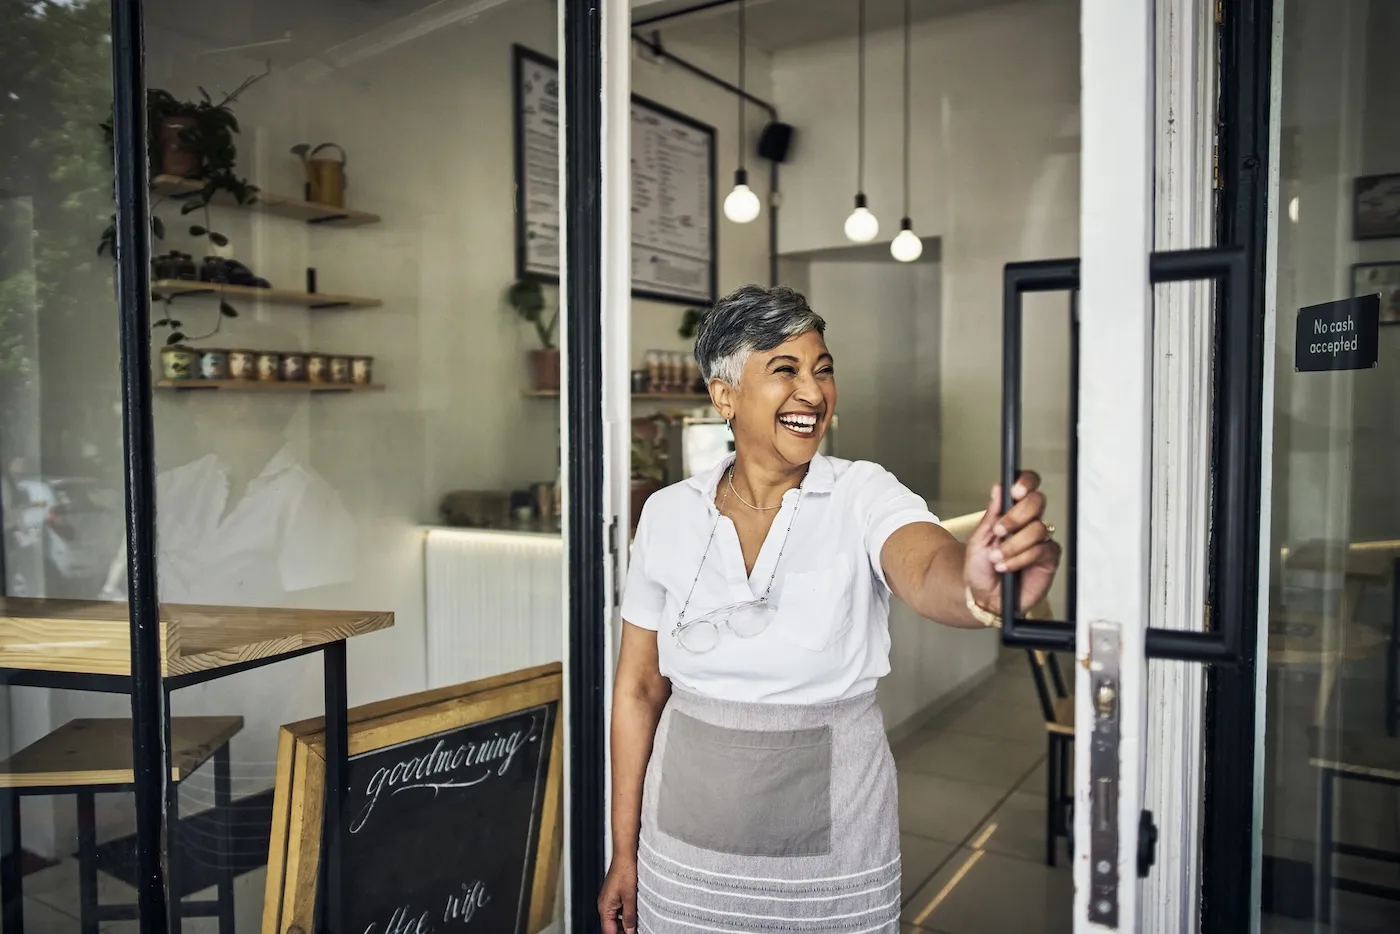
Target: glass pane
column 994, row 179
column 1332, row 757
column 346, row 439
column 60, row 453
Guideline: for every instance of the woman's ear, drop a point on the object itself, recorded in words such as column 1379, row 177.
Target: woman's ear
column 722, row 398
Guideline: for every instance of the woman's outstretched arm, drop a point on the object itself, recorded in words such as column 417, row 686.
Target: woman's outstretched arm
column 932, row 572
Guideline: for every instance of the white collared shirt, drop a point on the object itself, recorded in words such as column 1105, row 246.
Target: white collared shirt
column 829, row 638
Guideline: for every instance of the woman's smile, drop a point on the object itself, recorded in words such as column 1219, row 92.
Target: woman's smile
column 802, row 424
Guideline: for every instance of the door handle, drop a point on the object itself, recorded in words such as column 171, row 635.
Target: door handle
column 1237, row 409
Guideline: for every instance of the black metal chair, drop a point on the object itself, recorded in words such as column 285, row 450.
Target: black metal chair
column 1057, row 706
column 1360, row 758
column 87, row 757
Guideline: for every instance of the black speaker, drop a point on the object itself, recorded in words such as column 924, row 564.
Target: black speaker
column 774, row 142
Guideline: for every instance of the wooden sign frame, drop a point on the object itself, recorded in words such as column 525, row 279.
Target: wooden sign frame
column 294, row 853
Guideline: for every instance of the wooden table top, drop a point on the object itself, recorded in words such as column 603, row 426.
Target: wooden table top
column 1372, row 560
column 93, row 637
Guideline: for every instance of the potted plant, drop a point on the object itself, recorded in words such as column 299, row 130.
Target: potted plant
column 192, row 140
column 527, row 298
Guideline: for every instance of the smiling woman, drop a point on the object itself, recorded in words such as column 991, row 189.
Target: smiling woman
column 752, row 781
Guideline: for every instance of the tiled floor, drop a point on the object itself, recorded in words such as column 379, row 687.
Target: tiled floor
column 972, row 817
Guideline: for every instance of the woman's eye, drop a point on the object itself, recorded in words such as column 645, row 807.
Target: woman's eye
column 785, row 369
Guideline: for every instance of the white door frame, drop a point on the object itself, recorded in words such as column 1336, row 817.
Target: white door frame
column 1115, row 441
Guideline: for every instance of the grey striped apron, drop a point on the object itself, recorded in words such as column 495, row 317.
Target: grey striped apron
column 769, row 818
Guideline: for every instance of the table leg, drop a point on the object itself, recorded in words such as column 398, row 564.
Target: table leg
column 87, row 862
column 1392, row 657
column 223, row 807
column 11, row 868
column 337, row 778
column 174, row 857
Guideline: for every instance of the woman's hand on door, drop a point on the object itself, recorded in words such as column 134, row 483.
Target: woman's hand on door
column 1019, row 540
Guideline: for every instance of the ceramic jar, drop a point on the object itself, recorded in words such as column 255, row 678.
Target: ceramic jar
column 362, row 370
column 269, row 365
column 340, row 369
column 213, row 364
column 242, row 364
column 177, row 363
column 318, row 367
column 293, row 368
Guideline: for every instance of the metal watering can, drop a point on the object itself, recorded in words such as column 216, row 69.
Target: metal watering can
column 325, row 176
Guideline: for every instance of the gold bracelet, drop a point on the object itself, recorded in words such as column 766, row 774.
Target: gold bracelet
column 981, row 614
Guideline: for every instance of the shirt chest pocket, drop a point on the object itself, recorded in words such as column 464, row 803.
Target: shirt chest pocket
column 815, row 607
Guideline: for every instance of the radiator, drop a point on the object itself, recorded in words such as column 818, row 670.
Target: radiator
column 495, row 603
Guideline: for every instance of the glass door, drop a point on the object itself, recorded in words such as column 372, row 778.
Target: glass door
column 1328, row 702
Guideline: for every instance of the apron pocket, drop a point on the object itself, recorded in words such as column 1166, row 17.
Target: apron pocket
column 746, row 792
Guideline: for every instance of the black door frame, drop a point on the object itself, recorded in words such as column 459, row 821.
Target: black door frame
column 582, row 56
column 1228, row 817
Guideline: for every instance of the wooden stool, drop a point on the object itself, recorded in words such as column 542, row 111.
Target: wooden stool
column 1360, row 758
column 87, row 757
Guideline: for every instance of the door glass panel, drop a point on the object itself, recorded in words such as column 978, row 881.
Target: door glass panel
column 1331, row 795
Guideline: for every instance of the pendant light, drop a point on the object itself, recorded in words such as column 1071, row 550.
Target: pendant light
column 861, row 226
column 906, row 247
column 742, row 205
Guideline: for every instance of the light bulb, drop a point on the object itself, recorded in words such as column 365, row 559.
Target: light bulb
column 906, row 247
column 862, row 226
column 741, row 205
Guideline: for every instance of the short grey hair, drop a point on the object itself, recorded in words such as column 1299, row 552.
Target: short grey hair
column 751, row 319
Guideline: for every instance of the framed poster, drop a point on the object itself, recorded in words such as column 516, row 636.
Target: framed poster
column 453, row 813
column 674, row 221
column 1375, row 208
column 1381, row 279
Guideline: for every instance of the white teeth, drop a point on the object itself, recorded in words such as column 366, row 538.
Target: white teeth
column 805, row 424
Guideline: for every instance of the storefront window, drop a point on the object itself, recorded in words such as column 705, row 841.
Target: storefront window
column 357, row 441
column 1330, row 711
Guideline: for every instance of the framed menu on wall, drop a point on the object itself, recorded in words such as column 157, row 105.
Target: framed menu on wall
column 674, row 224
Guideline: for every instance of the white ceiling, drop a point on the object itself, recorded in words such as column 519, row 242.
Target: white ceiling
column 783, row 24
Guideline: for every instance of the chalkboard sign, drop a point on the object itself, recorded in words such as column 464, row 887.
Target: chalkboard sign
column 452, row 818
column 441, row 830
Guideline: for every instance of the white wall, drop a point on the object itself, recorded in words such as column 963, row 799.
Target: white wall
column 995, row 152
column 995, row 148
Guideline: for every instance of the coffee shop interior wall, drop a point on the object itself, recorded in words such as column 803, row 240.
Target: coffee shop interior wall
column 285, row 499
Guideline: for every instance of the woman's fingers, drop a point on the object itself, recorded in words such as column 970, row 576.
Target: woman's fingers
column 1046, row 554
column 609, row 905
column 1021, row 515
column 629, row 911
column 1017, row 544
column 1027, row 483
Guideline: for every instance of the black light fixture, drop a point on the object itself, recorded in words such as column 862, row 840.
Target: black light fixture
column 906, row 247
column 741, row 205
column 861, row 226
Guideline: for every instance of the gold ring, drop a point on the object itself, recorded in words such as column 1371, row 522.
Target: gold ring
column 1049, row 531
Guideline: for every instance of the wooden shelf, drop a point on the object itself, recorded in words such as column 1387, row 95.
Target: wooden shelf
column 94, row 637
column 321, row 301
column 253, row 385
column 176, row 188
column 636, row 396
column 98, row 752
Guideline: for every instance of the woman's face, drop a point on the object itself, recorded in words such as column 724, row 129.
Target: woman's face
column 784, row 401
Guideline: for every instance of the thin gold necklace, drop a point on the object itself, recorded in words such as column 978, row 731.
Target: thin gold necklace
column 746, row 502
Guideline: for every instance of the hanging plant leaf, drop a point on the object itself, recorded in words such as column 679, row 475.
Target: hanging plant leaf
column 197, row 230
column 174, row 339
column 227, row 310
column 189, row 207
column 158, row 227
column 217, row 239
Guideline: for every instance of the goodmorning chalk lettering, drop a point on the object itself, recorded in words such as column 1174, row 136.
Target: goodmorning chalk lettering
column 445, row 767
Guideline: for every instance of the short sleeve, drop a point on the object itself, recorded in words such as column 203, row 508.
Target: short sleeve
column 884, row 506
column 643, row 599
